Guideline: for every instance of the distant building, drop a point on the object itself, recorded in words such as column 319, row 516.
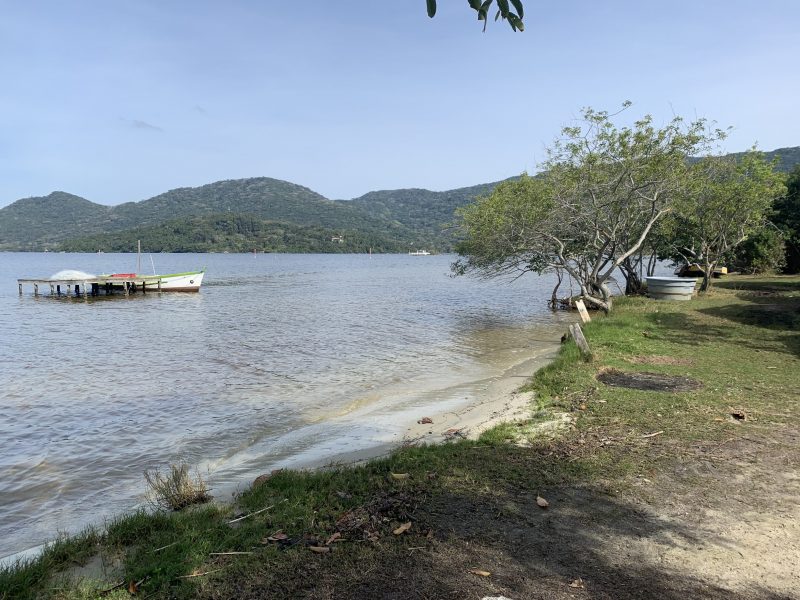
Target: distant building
column 338, row 238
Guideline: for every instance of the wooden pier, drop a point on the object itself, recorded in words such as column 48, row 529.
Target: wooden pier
column 92, row 287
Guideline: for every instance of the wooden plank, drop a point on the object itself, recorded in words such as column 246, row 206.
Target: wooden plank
column 577, row 335
column 582, row 311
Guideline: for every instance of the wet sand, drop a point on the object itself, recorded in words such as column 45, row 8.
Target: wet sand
column 462, row 411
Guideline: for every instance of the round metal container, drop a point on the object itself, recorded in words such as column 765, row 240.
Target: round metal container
column 671, row 288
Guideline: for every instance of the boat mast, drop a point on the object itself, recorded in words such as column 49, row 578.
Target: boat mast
column 138, row 256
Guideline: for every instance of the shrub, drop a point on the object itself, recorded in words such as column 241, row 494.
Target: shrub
column 763, row 252
column 176, row 489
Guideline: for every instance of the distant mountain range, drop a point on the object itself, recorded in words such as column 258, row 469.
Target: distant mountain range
column 245, row 214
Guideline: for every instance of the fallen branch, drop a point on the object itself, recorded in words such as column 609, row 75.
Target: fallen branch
column 165, row 547
column 198, row 574
column 228, row 553
column 649, row 435
column 255, row 513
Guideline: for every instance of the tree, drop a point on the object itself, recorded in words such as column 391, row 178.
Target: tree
column 602, row 191
column 482, row 7
column 728, row 201
column 786, row 217
column 762, row 252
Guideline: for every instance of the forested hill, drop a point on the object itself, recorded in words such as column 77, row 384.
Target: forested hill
column 191, row 218
column 787, row 158
column 386, row 221
column 34, row 223
column 230, row 232
column 425, row 212
column 46, row 222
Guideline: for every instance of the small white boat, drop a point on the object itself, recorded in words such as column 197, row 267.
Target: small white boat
column 419, row 253
column 172, row 282
column 190, row 281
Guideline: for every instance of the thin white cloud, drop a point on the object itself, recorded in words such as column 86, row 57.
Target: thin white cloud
column 139, row 124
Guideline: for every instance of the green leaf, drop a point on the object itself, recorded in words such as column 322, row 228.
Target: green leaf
column 476, row 4
column 515, row 22
column 431, row 8
column 497, row 16
column 518, row 5
column 503, row 5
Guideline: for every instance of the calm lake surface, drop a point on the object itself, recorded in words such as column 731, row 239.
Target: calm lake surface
column 280, row 360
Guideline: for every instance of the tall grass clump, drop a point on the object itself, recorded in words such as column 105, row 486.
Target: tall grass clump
column 177, row 488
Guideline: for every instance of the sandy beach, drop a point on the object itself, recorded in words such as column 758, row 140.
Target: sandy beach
column 461, row 411
column 500, row 402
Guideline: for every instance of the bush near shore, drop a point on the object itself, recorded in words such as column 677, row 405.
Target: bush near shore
column 487, row 517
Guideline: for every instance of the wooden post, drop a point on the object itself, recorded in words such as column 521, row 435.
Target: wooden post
column 35, row 289
column 20, row 289
column 58, row 289
column 577, row 335
column 85, row 290
column 127, row 288
column 582, row 311
column 52, row 289
column 159, row 285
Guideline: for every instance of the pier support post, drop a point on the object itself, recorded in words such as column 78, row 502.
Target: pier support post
column 35, row 289
column 58, row 290
column 20, row 289
column 52, row 289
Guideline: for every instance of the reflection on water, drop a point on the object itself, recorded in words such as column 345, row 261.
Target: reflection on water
column 281, row 359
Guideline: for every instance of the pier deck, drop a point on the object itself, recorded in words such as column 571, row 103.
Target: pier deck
column 92, row 287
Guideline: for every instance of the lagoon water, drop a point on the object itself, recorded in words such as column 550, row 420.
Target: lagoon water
column 280, row 360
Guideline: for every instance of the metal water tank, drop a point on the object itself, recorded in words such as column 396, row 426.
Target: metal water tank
column 671, row 288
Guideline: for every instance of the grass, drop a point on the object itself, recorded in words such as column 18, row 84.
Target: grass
column 742, row 342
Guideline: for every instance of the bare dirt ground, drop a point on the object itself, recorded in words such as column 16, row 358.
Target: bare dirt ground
column 722, row 522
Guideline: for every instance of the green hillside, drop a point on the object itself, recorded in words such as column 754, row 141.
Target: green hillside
column 39, row 222
column 233, row 233
column 429, row 214
column 282, row 217
column 788, row 158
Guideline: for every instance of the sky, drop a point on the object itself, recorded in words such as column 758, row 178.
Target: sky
column 120, row 101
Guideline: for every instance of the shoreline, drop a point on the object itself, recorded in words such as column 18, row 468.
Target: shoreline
column 492, row 400
column 496, row 400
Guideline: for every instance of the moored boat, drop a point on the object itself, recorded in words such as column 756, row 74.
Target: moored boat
column 695, row 270
column 189, row 281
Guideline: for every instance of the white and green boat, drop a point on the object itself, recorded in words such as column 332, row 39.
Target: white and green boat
column 189, row 281
column 172, row 282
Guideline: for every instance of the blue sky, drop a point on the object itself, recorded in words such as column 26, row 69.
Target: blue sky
column 119, row 101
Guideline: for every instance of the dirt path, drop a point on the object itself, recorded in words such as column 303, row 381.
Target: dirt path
column 724, row 523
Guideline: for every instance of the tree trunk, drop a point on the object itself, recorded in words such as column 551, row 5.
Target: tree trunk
column 599, row 296
column 554, row 296
column 708, row 275
column 633, row 282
